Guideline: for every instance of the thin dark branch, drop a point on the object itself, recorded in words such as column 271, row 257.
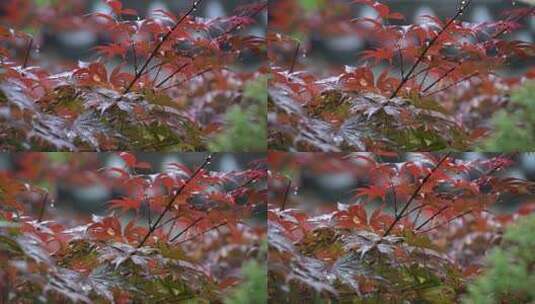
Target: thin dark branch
column 294, row 58
column 202, row 233
column 432, row 217
column 43, row 208
column 507, row 28
column 424, row 70
column 28, row 53
column 157, row 73
column 447, row 222
column 186, row 229
column 418, row 215
column 160, row 44
column 429, row 45
column 440, row 78
column 180, row 68
column 417, row 208
column 286, row 192
column 174, row 218
column 188, row 79
column 173, row 199
column 169, row 220
column 452, row 84
column 497, row 35
column 238, row 24
column 414, row 194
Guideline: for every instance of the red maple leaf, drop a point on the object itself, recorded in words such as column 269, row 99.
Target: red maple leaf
column 125, row 204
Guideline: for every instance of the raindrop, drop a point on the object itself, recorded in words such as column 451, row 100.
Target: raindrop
column 71, row 135
column 52, row 204
column 296, row 191
column 338, row 139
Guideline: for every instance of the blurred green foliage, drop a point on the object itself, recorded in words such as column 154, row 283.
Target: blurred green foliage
column 312, row 5
column 254, row 287
column 245, row 128
column 510, row 275
column 514, row 130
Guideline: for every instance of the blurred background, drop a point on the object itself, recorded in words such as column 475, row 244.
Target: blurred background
column 77, row 186
column 324, row 29
column 324, row 179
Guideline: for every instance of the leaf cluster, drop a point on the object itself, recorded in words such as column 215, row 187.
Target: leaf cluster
column 453, row 75
column 415, row 230
column 163, row 82
column 195, row 253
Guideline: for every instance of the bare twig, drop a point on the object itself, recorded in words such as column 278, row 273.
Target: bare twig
column 28, row 52
column 160, row 44
column 452, row 84
column 286, row 192
column 188, row 79
column 186, row 229
column 43, row 208
column 428, row 46
column 173, row 199
column 440, row 78
column 238, row 24
column 174, row 218
column 202, row 233
column 432, row 217
column 294, row 58
column 495, row 36
column 180, row 68
column 447, row 222
column 414, row 194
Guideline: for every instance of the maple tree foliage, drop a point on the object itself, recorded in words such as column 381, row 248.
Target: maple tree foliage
column 163, row 82
column 182, row 234
column 424, row 86
column 417, row 228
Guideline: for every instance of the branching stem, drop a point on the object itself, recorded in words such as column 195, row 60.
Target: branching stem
column 428, row 46
column 415, row 193
column 173, row 199
column 160, row 44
